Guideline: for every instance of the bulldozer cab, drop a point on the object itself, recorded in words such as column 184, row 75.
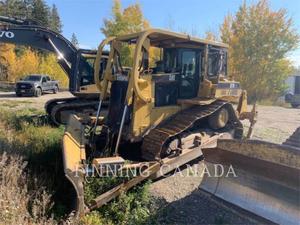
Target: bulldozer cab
column 169, row 72
column 169, row 105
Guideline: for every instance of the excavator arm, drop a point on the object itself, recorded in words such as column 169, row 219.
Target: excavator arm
column 27, row 32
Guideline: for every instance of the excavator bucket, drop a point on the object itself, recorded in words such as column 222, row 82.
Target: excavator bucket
column 260, row 177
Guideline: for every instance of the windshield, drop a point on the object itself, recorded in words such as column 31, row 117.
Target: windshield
column 86, row 70
column 32, row 78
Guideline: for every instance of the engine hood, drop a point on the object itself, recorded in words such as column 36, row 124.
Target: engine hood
column 27, row 82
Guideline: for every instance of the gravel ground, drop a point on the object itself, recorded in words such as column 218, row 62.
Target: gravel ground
column 187, row 204
column 10, row 100
column 181, row 199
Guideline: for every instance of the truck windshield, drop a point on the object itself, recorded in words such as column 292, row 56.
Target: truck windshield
column 32, row 78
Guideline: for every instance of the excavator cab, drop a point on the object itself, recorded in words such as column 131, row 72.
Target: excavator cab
column 84, row 69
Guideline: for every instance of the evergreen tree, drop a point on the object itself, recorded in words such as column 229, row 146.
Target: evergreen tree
column 55, row 23
column 13, row 8
column 74, row 40
column 40, row 12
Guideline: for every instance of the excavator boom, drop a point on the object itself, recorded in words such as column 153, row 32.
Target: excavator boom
column 25, row 33
column 78, row 64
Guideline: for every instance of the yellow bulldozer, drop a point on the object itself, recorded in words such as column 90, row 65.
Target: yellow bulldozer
column 166, row 113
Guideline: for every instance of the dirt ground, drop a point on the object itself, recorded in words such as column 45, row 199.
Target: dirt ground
column 10, row 100
column 183, row 202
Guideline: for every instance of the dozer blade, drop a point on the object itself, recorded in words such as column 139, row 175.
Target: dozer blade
column 258, row 176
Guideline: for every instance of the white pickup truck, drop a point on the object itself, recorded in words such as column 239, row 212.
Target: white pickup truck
column 36, row 85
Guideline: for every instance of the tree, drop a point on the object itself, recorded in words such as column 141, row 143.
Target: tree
column 54, row 19
column 48, row 65
column 7, row 61
column 40, row 12
column 13, row 68
column 18, row 61
column 125, row 21
column 14, row 8
column 259, row 40
column 17, row 67
column 74, row 40
column 210, row 35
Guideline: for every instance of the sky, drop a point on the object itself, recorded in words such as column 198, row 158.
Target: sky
column 85, row 17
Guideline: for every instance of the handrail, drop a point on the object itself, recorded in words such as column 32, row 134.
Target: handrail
column 135, row 72
column 98, row 61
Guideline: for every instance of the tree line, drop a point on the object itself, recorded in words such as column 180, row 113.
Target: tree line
column 18, row 61
column 36, row 10
column 259, row 39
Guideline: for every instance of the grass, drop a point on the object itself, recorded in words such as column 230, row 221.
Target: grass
column 6, row 89
column 134, row 207
column 20, row 203
column 39, row 146
column 13, row 104
column 31, row 153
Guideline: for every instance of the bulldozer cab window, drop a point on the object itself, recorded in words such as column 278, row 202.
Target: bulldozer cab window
column 217, row 63
column 170, row 59
column 183, row 66
column 189, row 73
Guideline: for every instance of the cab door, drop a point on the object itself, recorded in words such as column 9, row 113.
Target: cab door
column 45, row 84
column 189, row 78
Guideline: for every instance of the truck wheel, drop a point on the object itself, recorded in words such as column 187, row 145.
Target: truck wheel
column 55, row 90
column 18, row 94
column 295, row 105
column 218, row 119
column 38, row 92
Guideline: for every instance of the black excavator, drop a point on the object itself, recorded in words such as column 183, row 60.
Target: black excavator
column 78, row 64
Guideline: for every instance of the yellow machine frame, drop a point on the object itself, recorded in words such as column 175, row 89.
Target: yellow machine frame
column 141, row 86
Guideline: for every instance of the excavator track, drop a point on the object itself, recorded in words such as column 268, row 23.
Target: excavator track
column 156, row 139
column 56, row 101
column 78, row 106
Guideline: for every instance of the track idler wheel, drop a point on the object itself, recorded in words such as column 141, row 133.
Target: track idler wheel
column 219, row 119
